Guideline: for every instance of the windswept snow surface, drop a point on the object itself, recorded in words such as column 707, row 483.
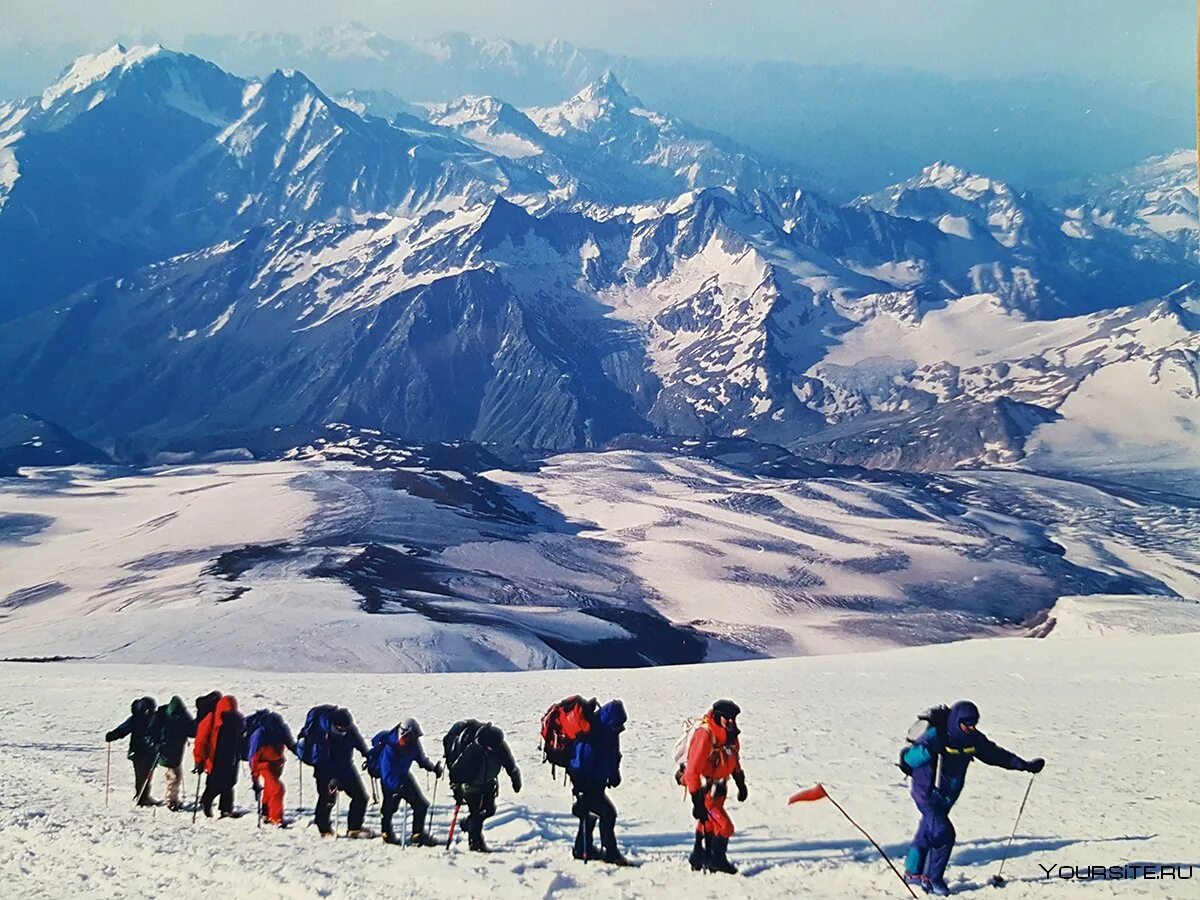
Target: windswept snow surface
column 1111, row 715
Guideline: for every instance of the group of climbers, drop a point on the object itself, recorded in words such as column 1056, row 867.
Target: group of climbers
column 581, row 736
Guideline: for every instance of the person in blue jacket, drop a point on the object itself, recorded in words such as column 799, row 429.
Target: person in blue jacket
column 143, row 751
column 939, row 762
column 335, row 771
column 594, row 768
column 401, row 749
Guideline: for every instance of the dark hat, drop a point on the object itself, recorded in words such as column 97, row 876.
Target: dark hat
column 341, row 719
column 726, row 709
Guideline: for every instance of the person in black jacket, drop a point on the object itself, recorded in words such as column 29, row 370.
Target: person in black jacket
column 479, row 756
column 221, row 755
column 173, row 725
column 335, row 771
column 142, row 750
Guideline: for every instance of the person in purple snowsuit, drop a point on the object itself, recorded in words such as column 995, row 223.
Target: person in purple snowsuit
column 938, row 762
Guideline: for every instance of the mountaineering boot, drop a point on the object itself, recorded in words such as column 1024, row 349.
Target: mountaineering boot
column 236, row 814
column 360, row 833
column 938, row 888
column 917, row 880
column 613, row 857
column 475, row 840
column 420, row 839
column 699, row 858
column 717, row 860
column 585, row 841
column 389, row 838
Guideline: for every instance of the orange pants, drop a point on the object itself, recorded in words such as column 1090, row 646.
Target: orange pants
column 272, row 793
column 718, row 823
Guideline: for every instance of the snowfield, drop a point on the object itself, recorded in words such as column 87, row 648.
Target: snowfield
column 1113, row 716
column 321, row 562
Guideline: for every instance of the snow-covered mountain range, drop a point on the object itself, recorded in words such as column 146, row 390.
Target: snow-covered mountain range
column 192, row 252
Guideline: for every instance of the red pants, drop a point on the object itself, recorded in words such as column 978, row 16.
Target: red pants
column 272, row 793
column 718, row 823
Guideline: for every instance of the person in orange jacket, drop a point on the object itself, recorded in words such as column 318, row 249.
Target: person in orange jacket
column 713, row 758
column 267, row 736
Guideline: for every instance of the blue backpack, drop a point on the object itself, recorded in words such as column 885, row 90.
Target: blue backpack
column 374, row 763
column 312, row 744
column 253, row 722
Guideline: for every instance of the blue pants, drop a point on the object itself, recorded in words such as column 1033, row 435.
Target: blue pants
column 932, row 843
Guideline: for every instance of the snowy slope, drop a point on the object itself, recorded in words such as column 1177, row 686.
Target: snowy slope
column 837, row 720
column 394, row 557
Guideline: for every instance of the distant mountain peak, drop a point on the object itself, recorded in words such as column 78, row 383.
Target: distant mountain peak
column 90, row 69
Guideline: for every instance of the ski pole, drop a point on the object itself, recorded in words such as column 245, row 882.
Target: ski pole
column 107, row 773
column 374, row 796
column 453, row 823
column 819, row 792
column 998, row 879
column 408, row 839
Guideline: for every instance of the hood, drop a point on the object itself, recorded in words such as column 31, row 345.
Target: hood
column 409, row 728
column 143, row 707
column 960, row 712
column 490, row 736
column 207, row 703
column 612, row 715
column 176, row 707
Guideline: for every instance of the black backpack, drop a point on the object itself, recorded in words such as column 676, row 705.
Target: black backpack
column 464, row 754
column 253, row 721
column 936, row 717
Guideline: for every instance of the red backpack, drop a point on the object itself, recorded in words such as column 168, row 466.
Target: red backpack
column 562, row 724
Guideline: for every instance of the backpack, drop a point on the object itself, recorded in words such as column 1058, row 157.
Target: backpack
column 253, row 722
column 936, row 717
column 464, row 755
column 312, row 744
column 683, row 744
column 374, row 761
column 562, row 725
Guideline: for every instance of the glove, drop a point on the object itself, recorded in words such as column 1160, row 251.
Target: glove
column 743, row 792
column 458, row 795
column 197, row 768
column 1035, row 765
column 615, row 781
column 108, row 737
column 438, row 769
column 516, row 781
column 699, row 810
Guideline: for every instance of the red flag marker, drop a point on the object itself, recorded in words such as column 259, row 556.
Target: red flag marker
column 805, row 796
column 819, row 793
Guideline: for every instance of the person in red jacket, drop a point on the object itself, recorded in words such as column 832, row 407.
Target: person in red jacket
column 713, row 758
column 218, row 752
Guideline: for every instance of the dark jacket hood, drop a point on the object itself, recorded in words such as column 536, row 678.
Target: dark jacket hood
column 964, row 711
column 612, row 715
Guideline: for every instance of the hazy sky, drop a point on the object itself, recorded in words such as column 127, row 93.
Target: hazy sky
column 1106, row 39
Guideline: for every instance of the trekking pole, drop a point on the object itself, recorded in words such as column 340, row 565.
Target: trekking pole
column 997, row 880
column 453, row 823
column 819, row 793
column 144, row 788
column 107, row 773
column 374, row 796
column 408, row 840
column 432, row 807
column 196, row 804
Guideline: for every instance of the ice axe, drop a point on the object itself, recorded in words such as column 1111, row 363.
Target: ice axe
column 997, row 880
column 819, row 793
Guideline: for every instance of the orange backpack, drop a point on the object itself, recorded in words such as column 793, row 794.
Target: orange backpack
column 562, row 725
